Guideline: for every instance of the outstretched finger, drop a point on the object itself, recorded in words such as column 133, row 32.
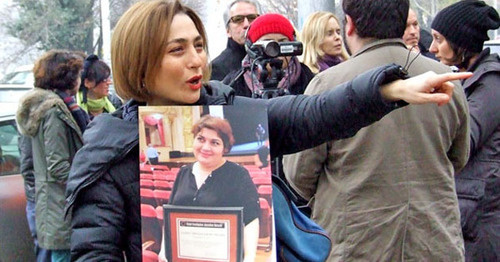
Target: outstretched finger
column 442, row 78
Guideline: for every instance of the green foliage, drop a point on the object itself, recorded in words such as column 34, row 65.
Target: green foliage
column 54, row 24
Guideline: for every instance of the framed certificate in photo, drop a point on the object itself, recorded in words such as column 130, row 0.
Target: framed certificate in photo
column 203, row 233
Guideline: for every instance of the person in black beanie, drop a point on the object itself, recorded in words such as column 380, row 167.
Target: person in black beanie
column 459, row 32
column 464, row 26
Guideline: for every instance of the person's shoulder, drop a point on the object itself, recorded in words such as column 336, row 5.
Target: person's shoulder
column 219, row 88
column 111, row 132
column 487, row 70
column 229, row 165
column 429, row 64
column 185, row 169
column 324, row 80
column 306, row 71
column 490, row 63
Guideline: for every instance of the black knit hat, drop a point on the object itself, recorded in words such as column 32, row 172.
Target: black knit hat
column 466, row 23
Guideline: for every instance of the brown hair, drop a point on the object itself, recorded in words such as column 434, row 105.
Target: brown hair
column 139, row 42
column 461, row 56
column 219, row 125
column 58, row 69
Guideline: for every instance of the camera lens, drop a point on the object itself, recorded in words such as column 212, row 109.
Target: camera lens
column 272, row 49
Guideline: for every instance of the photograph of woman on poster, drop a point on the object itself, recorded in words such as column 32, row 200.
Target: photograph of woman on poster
column 213, row 181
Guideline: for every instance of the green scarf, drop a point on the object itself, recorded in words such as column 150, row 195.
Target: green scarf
column 95, row 104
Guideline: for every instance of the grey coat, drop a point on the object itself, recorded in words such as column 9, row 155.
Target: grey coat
column 388, row 193
column 43, row 116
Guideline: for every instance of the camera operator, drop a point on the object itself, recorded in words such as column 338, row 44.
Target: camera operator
column 261, row 73
column 271, row 67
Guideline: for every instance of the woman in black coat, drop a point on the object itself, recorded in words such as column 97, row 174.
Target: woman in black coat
column 478, row 182
column 167, row 68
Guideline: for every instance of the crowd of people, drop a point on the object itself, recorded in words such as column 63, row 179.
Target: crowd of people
column 395, row 155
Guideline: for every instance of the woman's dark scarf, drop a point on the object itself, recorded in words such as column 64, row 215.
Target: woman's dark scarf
column 292, row 74
column 80, row 116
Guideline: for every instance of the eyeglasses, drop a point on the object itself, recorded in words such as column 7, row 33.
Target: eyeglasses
column 107, row 79
column 238, row 19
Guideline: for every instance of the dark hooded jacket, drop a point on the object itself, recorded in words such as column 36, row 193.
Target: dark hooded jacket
column 478, row 184
column 228, row 60
column 103, row 188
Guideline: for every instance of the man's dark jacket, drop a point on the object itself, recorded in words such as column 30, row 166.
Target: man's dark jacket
column 103, row 186
column 228, row 60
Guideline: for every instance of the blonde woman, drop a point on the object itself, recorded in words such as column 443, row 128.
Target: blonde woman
column 323, row 44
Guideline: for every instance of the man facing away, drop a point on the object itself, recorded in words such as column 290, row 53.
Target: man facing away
column 238, row 16
column 388, row 193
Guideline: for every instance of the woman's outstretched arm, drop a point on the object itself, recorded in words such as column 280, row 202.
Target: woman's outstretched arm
column 301, row 122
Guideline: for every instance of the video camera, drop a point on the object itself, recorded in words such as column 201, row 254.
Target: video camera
column 264, row 54
column 271, row 49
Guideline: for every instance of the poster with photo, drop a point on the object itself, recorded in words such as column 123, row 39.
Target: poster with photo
column 205, row 182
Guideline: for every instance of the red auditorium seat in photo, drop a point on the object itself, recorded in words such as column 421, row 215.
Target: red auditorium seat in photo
column 147, row 183
column 265, row 225
column 144, row 168
column 258, row 181
column 161, row 196
column 258, row 173
column 149, row 256
column 146, row 176
column 160, row 167
column 266, row 191
column 163, row 185
column 148, row 197
column 151, row 228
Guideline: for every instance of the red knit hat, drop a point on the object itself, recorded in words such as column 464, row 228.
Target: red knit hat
column 269, row 24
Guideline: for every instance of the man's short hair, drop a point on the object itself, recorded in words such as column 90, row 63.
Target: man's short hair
column 378, row 19
column 226, row 16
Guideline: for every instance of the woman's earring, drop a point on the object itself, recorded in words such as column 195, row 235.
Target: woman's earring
column 144, row 90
